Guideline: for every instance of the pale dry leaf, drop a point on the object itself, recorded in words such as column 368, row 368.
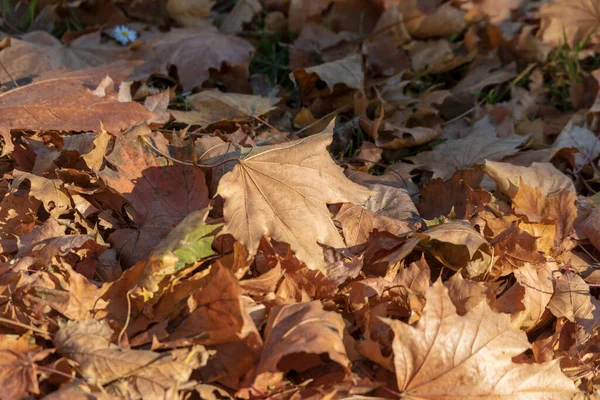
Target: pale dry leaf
column 49, row 191
column 445, row 20
column 242, row 13
column 347, row 71
column 543, row 176
column 282, row 192
column 211, row 106
column 389, row 209
column 482, row 144
column 570, row 19
column 134, row 374
column 571, row 299
column 190, row 13
column 450, row 356
column 585, row 141
column 466, row 294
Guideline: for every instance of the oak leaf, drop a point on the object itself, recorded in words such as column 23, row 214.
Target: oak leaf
column 281, row 191
column 451, row 356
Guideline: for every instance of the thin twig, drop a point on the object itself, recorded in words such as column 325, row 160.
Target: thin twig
column 8, row 73
column 186, row 162
column 25, row 326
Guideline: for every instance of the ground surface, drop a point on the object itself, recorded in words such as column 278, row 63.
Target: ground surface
column 299, row 199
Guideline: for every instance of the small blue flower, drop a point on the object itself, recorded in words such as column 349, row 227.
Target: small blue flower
column 124, row 35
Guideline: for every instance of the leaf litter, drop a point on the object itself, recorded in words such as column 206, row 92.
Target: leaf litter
column 301, row 200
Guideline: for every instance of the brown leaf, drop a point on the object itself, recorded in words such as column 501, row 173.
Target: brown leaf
column 443, row 21
column 242, row 13
column 18, row 373
column 64, row 102
column 134, row 374
column 458, row 245
column 389, row 209
column 571, row 299
column 49, row 191
column 432, row 360
column 38, row 52
column 543, row 176
column 467, row 152
column 196, row 50
column 288, row 187
column 213, row 105
column 466, row 294
column 439, row 198
column 570, row 20
column 295, row 338
column 585, row 141
column 161, row 194
column 347, row 71
column 537, row 207
column 190, row 13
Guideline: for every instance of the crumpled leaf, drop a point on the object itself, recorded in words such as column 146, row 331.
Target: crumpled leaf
column 281, row 191
column 571, row 299
column 482, row 144
column 134, row 374
column 390, row 209
column 189, row 241
column 49, row 191
column 242, row 13
column 295, row 338
column 450, row 356
column 458, row 245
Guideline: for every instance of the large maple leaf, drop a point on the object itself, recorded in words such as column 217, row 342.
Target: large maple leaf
column 282, row 191
column 448, row 356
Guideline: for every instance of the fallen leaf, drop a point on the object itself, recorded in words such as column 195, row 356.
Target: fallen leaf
column 190, row 13
column 134, row 374
column 347, row 71
column 431, row 359
column 542, row 176
column 468, row 152
column 242, row 13
column 196, row 50
column 49, row 191
column 213, row 105
column 161, row 194
column 571, row 21
column 288, row 187
column 18, row 374
column 458, row 245
column 295, row 338
column 445, row 20
column 585, row 141
column 571, row 299
column 189, row 241
column 64, row 103
column 389, row 209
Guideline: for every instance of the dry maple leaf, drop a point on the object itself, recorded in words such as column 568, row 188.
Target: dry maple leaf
column 572, row 20
column 347, row 71
column 63, row 101
column 448, row 356
column 134, row 374
column 213, row 105
column 295, row 337
column 18, row 372
column 282, row 191
column 469, row 151
column 161, row 193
